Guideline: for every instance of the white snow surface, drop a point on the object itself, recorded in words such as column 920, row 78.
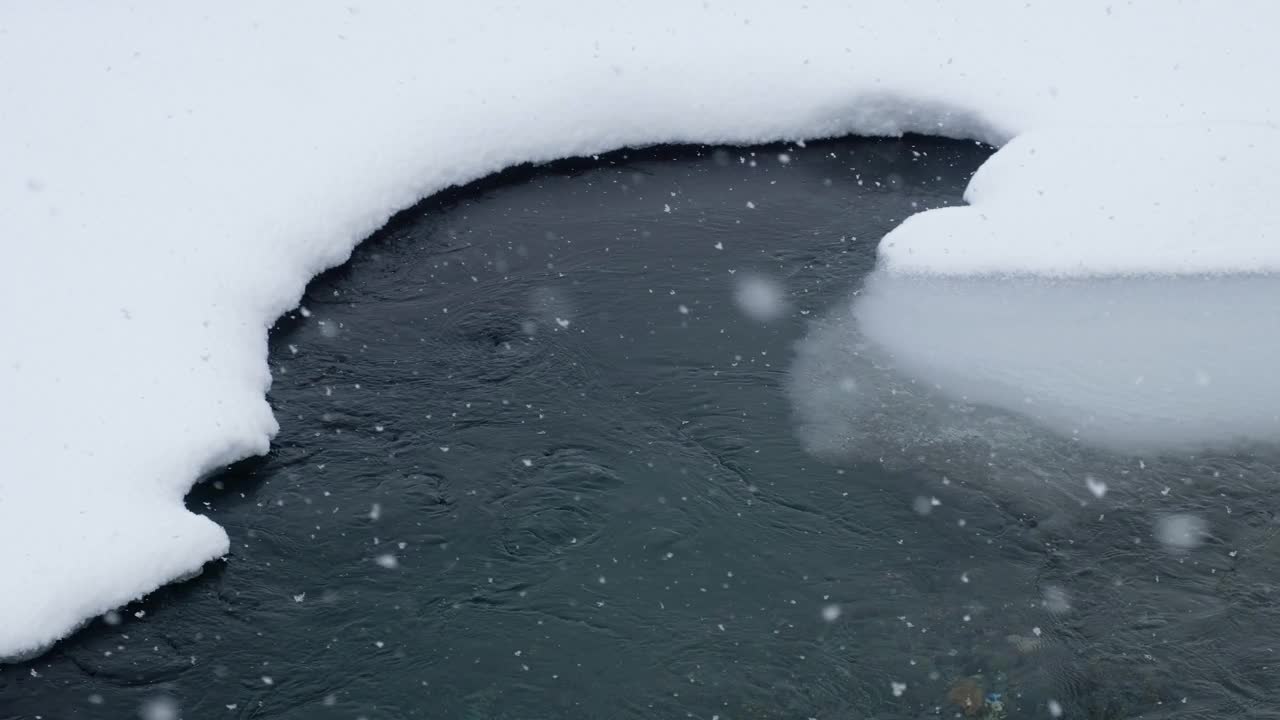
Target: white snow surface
column 172, row 175
column 1088, row 201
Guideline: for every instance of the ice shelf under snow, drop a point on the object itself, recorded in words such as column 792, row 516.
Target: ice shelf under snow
column 172, row 176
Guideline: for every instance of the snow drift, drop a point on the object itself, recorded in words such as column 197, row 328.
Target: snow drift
column 171, row 177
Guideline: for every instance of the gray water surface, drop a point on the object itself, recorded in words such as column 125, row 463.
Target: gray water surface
column 535, row 461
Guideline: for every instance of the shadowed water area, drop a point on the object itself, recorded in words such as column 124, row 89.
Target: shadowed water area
column 539, row 457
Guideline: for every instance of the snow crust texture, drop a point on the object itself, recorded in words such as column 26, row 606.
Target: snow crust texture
column 171, row 176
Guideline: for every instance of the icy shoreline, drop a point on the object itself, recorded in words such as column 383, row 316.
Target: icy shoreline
column 172, row 180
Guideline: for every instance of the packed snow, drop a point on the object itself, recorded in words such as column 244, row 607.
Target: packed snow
column 171, row 177
column 1089, row 201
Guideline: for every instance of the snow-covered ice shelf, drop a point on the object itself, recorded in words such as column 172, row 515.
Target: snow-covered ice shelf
column 172, row 176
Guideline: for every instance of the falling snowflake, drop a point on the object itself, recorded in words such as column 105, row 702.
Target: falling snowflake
column 1096, row 486
column 760, row 298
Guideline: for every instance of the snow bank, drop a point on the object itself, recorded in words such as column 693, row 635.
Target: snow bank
column 1136, row 365
column 171, row 177
column 1108, row 201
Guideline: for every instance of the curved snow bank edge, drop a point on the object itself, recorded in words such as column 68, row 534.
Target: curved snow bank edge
column 120, row 579
column 1104, row 201
column 878, row 114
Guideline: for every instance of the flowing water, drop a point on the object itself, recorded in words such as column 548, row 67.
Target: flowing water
column 568, row 443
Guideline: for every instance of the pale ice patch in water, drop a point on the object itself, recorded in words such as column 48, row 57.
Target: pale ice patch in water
column 888, row 417
column 760, row 298
column 904, row 423
column 1134, row 364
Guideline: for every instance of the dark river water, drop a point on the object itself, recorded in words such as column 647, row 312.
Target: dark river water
column 538, row 459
